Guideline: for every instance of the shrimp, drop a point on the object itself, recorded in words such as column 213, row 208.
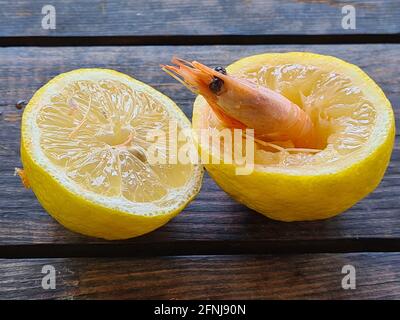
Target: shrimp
column 240, row 103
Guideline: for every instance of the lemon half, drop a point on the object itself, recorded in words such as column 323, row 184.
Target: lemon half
column 353, row 118
column 84, row 153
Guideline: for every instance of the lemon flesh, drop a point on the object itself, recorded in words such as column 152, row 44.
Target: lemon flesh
column 85, row 142
column 356, row 130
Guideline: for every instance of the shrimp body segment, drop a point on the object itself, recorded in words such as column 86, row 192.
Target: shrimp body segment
column 240, row 103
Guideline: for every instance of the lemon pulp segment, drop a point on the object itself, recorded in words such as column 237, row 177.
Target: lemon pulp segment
column 95, row 131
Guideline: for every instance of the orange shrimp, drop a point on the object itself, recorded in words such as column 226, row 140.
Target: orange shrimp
column 240, row 103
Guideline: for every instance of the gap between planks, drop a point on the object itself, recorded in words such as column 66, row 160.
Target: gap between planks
column 56, row 41
column 196, row 247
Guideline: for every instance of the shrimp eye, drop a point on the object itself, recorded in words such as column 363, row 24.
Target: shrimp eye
column 216, row 85
column 220, row 70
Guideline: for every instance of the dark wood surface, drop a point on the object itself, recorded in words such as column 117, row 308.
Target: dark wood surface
column 213, row 216
column 308, row 276
column 206, row 17
column 216, row 248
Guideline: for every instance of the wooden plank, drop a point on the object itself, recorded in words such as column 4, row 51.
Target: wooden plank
column 205, row 17
column 312, row 276
column 212, row 217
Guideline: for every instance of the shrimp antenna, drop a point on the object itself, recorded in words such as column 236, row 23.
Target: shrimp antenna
column 173, row 71
column 180, row 61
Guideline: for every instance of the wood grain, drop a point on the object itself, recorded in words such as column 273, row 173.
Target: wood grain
column 212, row 223
column 311, row 276
column 204, row 17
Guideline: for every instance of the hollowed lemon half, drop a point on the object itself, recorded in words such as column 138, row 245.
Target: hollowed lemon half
column 355, row 123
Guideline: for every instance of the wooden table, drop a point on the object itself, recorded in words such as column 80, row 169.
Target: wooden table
column 216, row 248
